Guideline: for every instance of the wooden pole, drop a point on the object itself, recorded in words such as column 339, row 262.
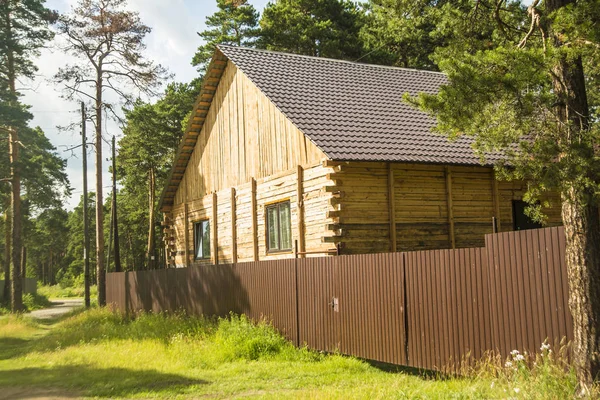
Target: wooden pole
column 215, row 238
column 86, row 228
column 300, row 205
column 450, row 206
column 186, row 235
column 233, row 227
column 115, row 228
column 496, row 200
column 392, row 208
column 254, row 221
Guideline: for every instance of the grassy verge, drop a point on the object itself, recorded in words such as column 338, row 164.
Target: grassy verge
column 30, row 302
column 100, row 354
column 60, row 292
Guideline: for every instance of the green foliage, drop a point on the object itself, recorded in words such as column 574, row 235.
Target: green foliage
column 35, row 301
column 324, row 28
column 235, row 23
column 402, row 33
column 67, row 289
column 151, row 136
column 502, row 91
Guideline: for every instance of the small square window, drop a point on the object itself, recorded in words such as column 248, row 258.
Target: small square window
column 521, row 220
column 279, row 227
column 202, row 240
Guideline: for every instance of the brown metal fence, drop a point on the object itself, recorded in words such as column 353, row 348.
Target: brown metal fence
column 426, row 309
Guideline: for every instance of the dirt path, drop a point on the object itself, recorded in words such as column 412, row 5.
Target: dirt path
column 59, row 307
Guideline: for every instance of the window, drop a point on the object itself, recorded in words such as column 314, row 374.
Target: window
column 520, row 220
column 202, row 240
column 279, row 227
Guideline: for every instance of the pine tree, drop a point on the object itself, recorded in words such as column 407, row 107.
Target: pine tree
column 235, row 23
column 109, row 42
column 23, row 30
column 324, row 28
column 529, row 92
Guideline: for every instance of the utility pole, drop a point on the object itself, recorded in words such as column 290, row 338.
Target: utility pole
column 86, row 233
column 115, row 227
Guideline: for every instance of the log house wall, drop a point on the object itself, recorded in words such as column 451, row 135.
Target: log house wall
column 428, row 201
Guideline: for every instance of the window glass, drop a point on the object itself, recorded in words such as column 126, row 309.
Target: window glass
column 273, row 228
column 285, row 227
column 202, row 239
column 205, row 239
column 279, row 229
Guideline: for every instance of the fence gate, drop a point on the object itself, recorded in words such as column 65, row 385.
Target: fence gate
column 354, row 304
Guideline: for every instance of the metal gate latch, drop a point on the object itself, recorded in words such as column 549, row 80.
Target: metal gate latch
column 335, row 304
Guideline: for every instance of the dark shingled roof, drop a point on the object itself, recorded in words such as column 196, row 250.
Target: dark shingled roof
column 353, row 111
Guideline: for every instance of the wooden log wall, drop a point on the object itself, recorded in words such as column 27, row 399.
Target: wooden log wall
column 244, row 136
column 249, row 205
column 434, row 206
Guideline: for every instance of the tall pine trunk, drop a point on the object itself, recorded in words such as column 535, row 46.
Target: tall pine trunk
column 13, row 140
column 7, row 250
column 579, row 213
column 151, row 256
column 100, row 273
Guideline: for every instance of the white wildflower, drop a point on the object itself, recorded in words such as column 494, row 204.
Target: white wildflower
column 514, row 352
column 517, row 390
column 545, row 346
column 519, row 357
column 508, row 364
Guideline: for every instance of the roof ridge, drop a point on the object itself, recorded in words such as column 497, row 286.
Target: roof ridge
column 221, row 46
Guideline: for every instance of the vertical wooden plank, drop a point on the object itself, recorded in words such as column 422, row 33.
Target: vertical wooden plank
column 300, row 205
column 215, row 241
column 496, row 201
column 186, row 235
column 254, row 221
column 392, row 208
column 452, row 238
column 233, row 227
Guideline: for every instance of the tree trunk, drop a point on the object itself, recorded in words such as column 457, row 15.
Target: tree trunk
column 7, row 250
column 13, row 142
column 579, row 214
column 151, row 255
column 100, row 273
column 24, row 262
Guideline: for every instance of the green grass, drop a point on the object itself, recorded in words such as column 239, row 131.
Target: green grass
column 60, row 292
column 96, row 353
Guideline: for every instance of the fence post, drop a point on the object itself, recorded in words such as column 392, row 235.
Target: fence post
column 127, row 299
column 297, row 303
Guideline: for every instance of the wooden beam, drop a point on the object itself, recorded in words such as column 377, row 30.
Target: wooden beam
column 254, row 221
column 496, row 201
column 392, row 209
column 450, row 206
column 215, row 236
column 233, row 227
column 186, row 236
column 300, row 204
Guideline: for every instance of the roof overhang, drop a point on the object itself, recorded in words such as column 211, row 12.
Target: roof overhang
column 210, row 82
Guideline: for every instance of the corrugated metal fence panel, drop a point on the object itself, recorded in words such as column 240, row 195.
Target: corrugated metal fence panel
column 268, row 290
column 115, row 291
column 447, row 307
column 427, row 309
column 370, row 292
column 528, row 289
column 318, row 321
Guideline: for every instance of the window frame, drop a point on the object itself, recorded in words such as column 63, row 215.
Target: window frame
column 277, row 205
column 195, row 227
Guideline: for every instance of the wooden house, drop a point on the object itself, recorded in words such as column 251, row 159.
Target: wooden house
column 284, row 149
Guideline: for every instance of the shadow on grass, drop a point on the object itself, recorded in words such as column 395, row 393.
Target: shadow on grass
column 13, row 347
column 401, row 369
column 78, row 380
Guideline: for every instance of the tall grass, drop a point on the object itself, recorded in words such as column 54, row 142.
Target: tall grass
column 61, row 291
column 237, row 357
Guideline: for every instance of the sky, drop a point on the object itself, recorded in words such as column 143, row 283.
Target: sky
column 172, row 43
